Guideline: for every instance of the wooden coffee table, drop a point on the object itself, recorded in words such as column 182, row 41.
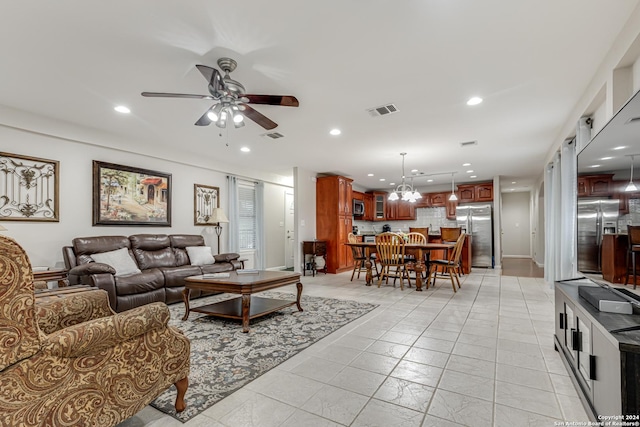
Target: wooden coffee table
column 246, row 306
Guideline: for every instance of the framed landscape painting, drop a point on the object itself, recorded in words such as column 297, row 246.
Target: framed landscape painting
column 125, row 195
column 205, row 198
column 28, row 188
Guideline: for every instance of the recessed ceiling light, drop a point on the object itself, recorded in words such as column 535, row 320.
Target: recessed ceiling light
column 429, row 180
column 470, row 171
column 474, row 100
column 245, row 149
column 621, row 147
column 594, row 166
column 335, row 132
column 369, row 174
column 473, row 176
column 382, row 179
column 466, row 164
column 414, row 170
column 512, row 189
column 513, row 182
column 122, row 109
column 606, row 158
column 392, row 183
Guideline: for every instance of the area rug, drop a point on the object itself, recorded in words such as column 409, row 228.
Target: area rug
column 223, row 358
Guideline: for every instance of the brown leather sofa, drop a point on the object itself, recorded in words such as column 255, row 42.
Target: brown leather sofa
column 162, row 259
column 72, row 361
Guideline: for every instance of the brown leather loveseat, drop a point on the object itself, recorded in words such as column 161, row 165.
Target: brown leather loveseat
column 162, row 263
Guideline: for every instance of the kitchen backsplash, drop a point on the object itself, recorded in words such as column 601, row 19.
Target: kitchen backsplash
column 434, row 218
column 632, row 218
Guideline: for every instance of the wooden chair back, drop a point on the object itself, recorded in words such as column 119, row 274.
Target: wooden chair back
column 422, row 230
column 358, row 253
column 390, row 249
column 450, row 234
column 634, row 235
column 456, row 253
column 415, row 237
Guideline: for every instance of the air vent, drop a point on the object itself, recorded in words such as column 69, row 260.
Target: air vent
column 273, row 135
column 382, row 110
column 632, row 120
column 468, row 143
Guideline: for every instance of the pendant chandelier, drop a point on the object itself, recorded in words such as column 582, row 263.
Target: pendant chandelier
column 453, row 196
column 405, row 191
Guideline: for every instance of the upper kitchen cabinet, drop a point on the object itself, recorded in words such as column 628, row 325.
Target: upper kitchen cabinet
column 334, row 194
column 438, row 200
column 368, row 207
column 379, row 205
column 401, row 210
column 595, row 185
column 469, row 193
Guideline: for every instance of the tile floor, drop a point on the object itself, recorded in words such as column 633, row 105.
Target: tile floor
column 481, row 357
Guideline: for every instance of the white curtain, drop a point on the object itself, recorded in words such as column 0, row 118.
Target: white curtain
column 261, row 253
column 560, row 205
column 234, row 230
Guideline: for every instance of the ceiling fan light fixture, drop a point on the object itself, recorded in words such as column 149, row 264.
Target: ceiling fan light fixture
column 237, row 118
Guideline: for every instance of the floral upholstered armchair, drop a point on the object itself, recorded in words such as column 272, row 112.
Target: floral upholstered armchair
column 74, row 362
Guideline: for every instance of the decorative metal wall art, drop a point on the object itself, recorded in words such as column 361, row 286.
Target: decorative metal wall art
column 124, row 195
column 205, row 198
column 28, row 188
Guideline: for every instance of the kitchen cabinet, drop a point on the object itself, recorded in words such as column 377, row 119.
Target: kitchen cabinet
column 595, row 185
column 438, row 200
column 334, row 220
column 379, row 205
column 399, row 210
column 469, row 193
column 368, row 207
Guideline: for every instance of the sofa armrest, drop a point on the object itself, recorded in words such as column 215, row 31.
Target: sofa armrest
column 95, row 335
column 92, row 268
column 226, row 257
column 72, row 310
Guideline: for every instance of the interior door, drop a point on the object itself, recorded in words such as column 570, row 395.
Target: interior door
column 290, row 238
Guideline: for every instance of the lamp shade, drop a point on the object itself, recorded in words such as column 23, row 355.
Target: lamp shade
column 217, row 216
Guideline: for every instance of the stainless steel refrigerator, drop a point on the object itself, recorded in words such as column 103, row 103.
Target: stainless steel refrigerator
column 595, row 218
column 477, row 220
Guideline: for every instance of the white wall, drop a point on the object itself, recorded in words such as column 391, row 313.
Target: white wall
column 43, row 241
column 305, row 210
column 516, row 229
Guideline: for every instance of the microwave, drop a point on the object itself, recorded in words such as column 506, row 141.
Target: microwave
column 358, row 207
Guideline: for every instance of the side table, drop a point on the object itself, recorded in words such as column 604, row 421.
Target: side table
column 314, row 248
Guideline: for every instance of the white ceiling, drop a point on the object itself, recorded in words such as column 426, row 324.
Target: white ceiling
column 530, row 60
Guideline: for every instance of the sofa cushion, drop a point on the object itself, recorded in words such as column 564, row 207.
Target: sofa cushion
column 180, row 241
column 226, row 257
column 174, row 277
column 146, row 281
column 152, row 251
column 84, row 247
column 200, row 255
column 119, row 259
column 218, row 267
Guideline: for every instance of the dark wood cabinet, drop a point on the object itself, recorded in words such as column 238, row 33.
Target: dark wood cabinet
column 379, row 205
column 334, row 220
column 469, row 193
column 368, row 207
column 595, row 185
column 400, row 210
column 438, row 200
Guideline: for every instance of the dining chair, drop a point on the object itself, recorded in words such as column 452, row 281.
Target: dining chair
column 413, row 237
column 359, row 257
column 422, row 230
column 450, row 266
column 633, row 248
column 391, row 254
column 450, row 234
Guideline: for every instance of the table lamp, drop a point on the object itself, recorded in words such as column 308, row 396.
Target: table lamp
column 217, row 217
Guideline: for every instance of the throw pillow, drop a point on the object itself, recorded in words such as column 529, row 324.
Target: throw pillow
column 120, row 260
column 200, row 255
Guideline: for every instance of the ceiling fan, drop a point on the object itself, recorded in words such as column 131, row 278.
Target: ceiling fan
column 232, row 100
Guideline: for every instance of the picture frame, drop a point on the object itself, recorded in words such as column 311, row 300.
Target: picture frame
column 29, row 188
column 205, row 199
column 130, row 196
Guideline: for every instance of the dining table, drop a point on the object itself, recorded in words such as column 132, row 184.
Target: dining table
column 419, row 249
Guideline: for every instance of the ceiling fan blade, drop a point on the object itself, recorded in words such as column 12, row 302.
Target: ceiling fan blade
column 283, row 100
column 259, row 118
column 212, row 75
column 204, row 120
column 175, row 95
